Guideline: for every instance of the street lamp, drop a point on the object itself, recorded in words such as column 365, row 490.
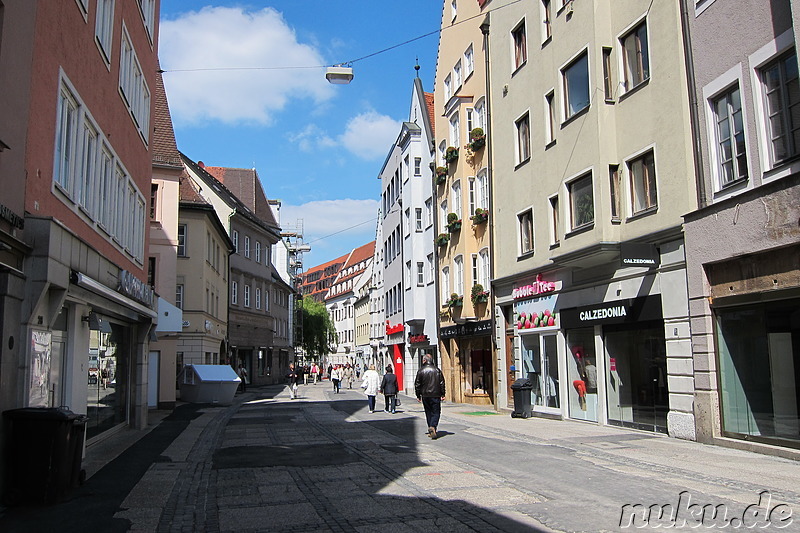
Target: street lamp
column 339, row 74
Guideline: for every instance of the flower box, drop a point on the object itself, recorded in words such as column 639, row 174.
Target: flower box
column 451, row 154
column 477, row 139
column 453, row 223
column 455, row 301
column 442, row 239
column 478, row 295
column 481, row 216
column 440, row 175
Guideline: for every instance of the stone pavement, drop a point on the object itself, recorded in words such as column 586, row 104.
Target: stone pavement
column 324, row 463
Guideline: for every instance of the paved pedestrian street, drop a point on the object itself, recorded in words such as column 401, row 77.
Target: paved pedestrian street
column 323, row 463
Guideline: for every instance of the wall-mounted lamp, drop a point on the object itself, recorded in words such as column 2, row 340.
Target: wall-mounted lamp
column 97, row 323
column 339, row 74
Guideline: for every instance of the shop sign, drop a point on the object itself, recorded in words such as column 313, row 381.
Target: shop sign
column 134, row 288
column 466, row 330
column 417, row 339
column 391, row 330
column 638, row 254
column 616, row 312
column 11, row 217
column 536, row 313
column 533, row 289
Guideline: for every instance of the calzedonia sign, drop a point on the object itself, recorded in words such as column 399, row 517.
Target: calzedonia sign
column 616, row 312
column 533, row 289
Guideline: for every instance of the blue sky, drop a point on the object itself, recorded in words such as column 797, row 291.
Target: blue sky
column 317, row 147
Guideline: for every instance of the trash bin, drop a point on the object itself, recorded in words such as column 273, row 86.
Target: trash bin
column 522, row 398
column 43, row 454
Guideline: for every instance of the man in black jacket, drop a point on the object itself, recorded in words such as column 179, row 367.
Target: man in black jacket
column 430, row 390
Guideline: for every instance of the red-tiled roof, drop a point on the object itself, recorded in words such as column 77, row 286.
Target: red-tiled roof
column 188, row 191
column 246, row 186
column 361, row 253
column 165, row 149
column 429, row 105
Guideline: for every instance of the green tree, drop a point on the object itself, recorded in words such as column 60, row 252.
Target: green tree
column 319, row 335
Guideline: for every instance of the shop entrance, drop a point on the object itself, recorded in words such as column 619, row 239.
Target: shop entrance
column 540, row 365
column 636, row 377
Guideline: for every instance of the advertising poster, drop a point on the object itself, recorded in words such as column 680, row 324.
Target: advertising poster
column 536, row 313
column 40, row 368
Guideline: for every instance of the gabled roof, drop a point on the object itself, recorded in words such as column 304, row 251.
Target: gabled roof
column 188, row 191
column 245, row 184
column 231, row 199
column 165, row 149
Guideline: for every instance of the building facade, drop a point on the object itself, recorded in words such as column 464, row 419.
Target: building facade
column 592, row 171
column 461, row 204
column 744, row 289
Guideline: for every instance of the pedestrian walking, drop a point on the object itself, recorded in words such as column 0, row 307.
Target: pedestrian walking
column 348, row 375
column 389, row 390
column 314, row 372
column 430, row 390
column 370, row 385
column 243, row 376
column 305, row 374
column 336, row 378
column 293, row 376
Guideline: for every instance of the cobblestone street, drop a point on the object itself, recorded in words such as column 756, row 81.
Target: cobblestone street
column 323, row 463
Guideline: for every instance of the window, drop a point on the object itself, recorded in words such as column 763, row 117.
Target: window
column 731, row 149
column 179, row 296
column 66, row 140
column 635, row 57
column 457, row 75
column 550, row 125
column 443, row 214
column 133, row 87
column 608, row 89
column 643, row 183
column 247, row 246
column 616, row 191
column 576, row 85
column 554, row 220
column 104, row 27
column 420, row 273
column 581, row 197
column 258, row 251
column 234, row 293
column 431, row 271
column 482, row 190
column 471, row 196
column 418, row 219
column 523, row 139
column 153, row 198
column 479, row 119
column 458, row 275
column 428, row 212
column 148, row 10
column 453, row 9
column 483, row 269
column 151, row 271
column 258, row 297
column 782, row 105
column 445, row 284
column 448, row 87
column 418, row 166
column 456, row 196
column 455, row 134
column 247, row 295
column 235, row 238
column 547, row 17
column 469, row 62
column 520, row 45
column 525, row 229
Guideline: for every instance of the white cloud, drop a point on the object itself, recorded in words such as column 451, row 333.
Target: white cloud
column 310, row 138
column 333, row 219
column 370, row 135
column 231, row 37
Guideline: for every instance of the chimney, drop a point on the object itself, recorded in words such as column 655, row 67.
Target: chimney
column 201, row 164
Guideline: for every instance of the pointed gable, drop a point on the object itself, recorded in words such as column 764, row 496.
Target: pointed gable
column 165, row 149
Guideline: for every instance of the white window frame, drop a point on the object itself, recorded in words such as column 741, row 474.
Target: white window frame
column 550, row 116
column 518, row 60
column 761, row 57
column 721, row 85
column 469, row 61
column 448, row 87
column 455, row 131
column 133, row 86
column 428, row 212
column 568, row 206
column 183, row 235
column 626, row 84
column 629, row 182
column 418, row 219
column 483, row 268
column 458, row 80
column 179, row 293
column 104, row 29
column 565, row 110
column 445, row 288
column 546, row 16
column 417, row 166
column 147, row 8
column 482, row 189
column 458, row 275
column 235, row 239
column 247, row 295
column 234, row 293
column 520, row 156
column 456, row 197
column 258, row 251
column 247, row 246
column 420, row 274
column 521, row 227
column 554, row 206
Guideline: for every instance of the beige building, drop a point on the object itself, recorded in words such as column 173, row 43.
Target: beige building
column 201, row 280
column 461, row 203
column 592, row 172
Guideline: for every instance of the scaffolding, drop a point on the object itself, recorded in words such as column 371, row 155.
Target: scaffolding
column 293, row 237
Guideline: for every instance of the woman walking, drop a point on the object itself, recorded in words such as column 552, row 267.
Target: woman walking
column 370, row 385
column 348, row 375
column 389, row 390
column 336, row 377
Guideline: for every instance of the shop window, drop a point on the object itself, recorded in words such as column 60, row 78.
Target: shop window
column 582, row 396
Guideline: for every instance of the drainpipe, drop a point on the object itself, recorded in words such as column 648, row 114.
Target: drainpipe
column 694, row 115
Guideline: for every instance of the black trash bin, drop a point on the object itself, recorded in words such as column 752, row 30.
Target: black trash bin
column 44, row 448
column 522, row 398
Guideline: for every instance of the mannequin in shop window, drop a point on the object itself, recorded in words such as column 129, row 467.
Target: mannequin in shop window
column 590, row 376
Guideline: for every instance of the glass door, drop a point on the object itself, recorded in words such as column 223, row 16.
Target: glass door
column 540, row 365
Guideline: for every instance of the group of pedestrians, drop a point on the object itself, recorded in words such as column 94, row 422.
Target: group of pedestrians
column 429, row 387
